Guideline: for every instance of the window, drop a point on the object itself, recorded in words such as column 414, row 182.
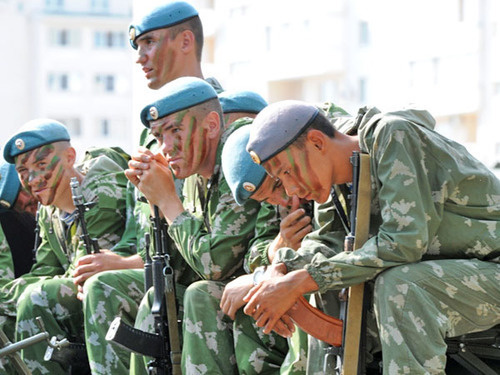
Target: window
column 54, row 4
column 64, row 82
column 364, row 34
column 109, row 39
column 105, row 83
column 58, row 82
column 100, row 6
column 104, row 128
column 64, row 38
column 362, row 90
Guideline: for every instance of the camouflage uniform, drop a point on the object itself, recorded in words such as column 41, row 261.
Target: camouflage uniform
column 213, row 238
column 48, row 290
column 434, row 245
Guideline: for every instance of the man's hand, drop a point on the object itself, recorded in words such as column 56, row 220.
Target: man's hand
column 232, row 298
column 293, row 228
column 91, row 264
column 271, row 299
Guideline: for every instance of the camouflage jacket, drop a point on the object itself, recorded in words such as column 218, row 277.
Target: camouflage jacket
column 214, row 233
column 430, row 199
column 61, row 247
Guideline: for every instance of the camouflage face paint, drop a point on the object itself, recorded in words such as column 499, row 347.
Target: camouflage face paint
column 41, row 172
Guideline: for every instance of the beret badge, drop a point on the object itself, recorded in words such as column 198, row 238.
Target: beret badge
column 131, row 33
column 255, row 157
column 153, row 111
column 248, row 186
column 20, row 144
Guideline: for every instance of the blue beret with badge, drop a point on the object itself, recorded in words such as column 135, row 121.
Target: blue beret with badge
column 241, row 101
column 277, row 126
column 9, row 186
column 167, row 15
column 179, row 94
column 243, row 176
column 34, row 134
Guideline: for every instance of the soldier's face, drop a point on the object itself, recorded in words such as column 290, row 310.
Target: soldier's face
column 183, row 142
column 301, row 174
column 41, row 172
column 25, row 202
column 158, row 56
column 272, row 191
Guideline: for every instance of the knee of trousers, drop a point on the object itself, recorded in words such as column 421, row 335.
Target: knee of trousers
column 205, row 290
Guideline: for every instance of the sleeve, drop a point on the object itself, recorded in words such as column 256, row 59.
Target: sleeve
column 216, row 254
column 267, row 228
column 408, row 213
column 128, row 241
column 327, row 239
column 107, row 219
column 6, row 262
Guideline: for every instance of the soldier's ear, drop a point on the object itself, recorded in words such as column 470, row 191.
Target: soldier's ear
column 187, row 41
column 316, row 138
column 70, row 155
column 212, row 124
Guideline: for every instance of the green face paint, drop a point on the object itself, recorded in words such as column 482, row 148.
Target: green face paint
column 41, row 172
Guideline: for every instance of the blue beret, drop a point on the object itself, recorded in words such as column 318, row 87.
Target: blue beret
column 166, row 15
column 34, row 134
column 241, row 101
column 277, row 127
column 179, row 94
column 243, row 176
column 9, row 186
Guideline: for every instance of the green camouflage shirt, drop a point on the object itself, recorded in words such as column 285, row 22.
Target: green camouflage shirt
column 215, row 236
column 60, row 247
column 430, row 199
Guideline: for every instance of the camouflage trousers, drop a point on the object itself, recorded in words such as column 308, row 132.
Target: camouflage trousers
column 213, row 344
column 107, row 294
column 7, row 324
column 419, row 305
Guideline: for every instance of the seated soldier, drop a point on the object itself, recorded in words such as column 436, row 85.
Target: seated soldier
column 17, row 241
column 434, row 249
column 45, row 162
column 210, row 230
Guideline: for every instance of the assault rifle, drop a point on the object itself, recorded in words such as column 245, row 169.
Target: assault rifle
column 163, row 345
column 91, row 245
column 344, row 334
column 37, row 232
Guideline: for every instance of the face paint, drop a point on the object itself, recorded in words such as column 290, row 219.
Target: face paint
column 40, row 172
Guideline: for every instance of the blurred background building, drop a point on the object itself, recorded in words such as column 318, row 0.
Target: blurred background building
column 70, row 60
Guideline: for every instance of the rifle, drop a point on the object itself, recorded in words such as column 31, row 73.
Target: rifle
column 37, row 232
column 91, row 245
column 344, row 334
column 164, row 344
column 10, row 349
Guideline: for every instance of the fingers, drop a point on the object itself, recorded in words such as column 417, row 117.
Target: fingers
column 285, row 327
column 133, row 175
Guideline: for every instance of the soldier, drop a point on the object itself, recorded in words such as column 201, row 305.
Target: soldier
column 434, row 249
column 254, row 352
column 169, row 42
column 17, row 238
column 211, row 231
column 45, row 163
